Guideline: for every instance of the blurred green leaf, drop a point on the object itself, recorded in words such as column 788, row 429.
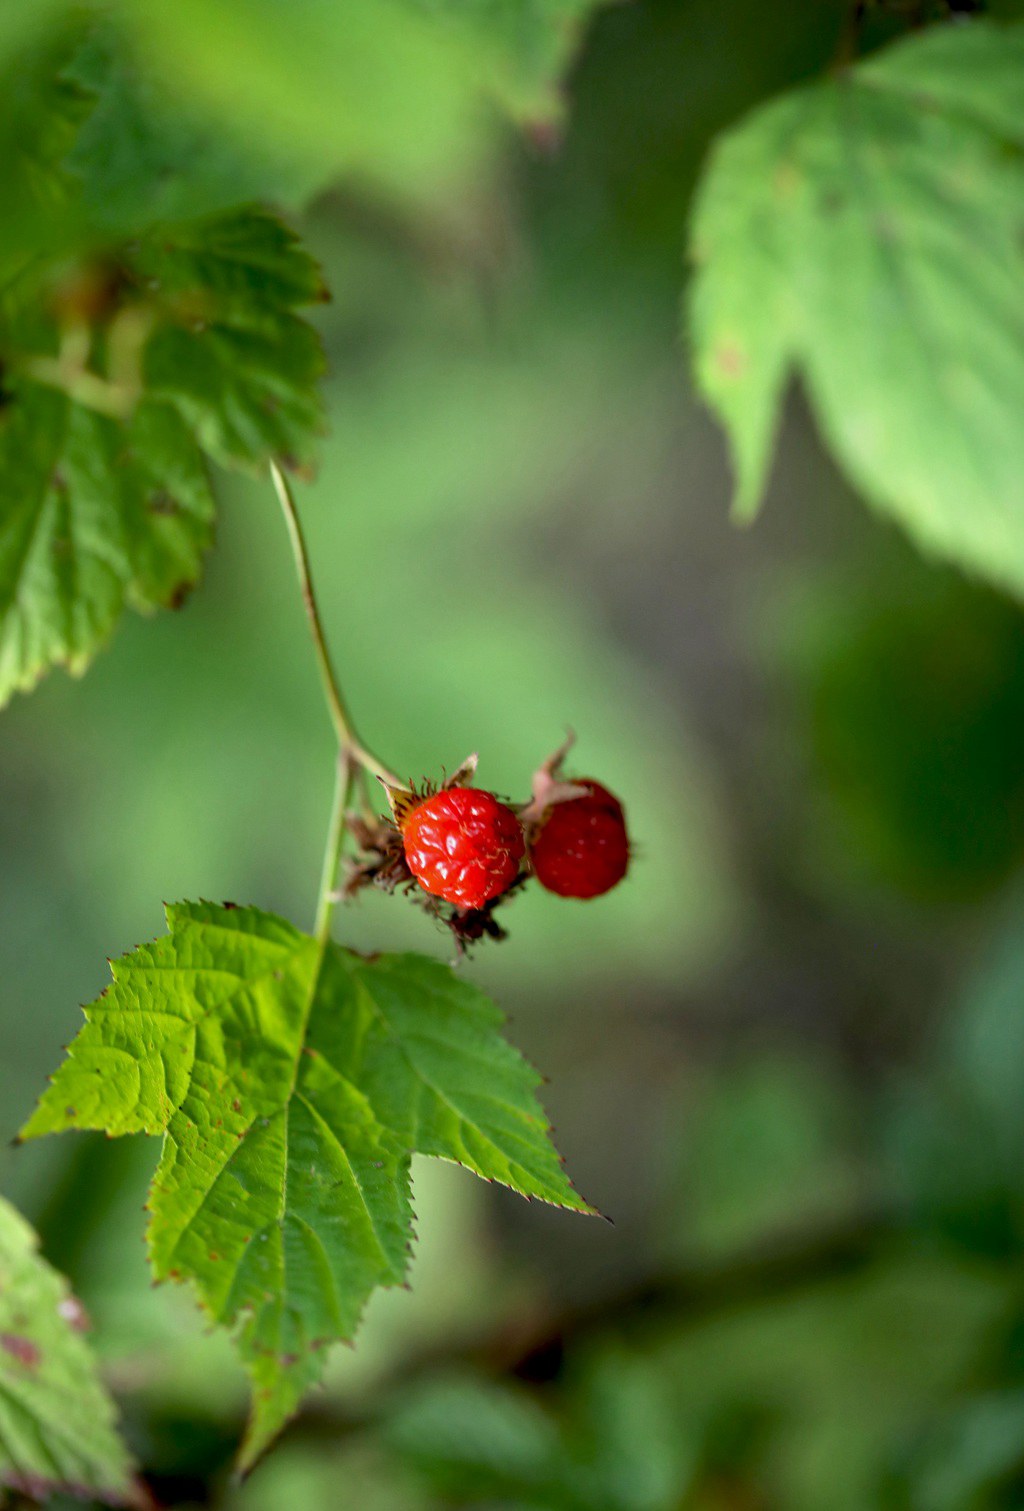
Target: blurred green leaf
column 365, row 88
column 954, row 1128
column 189, row 342
column 142, row 158
column 294, row 1080
column 970, row 1458
column 615, row 1444
column 629, row 1446
column 99, row 515
column 42, row 113
column 23, row 25
column 840, row 1372
column 864, row 233
column 57, row 1423
column 476, row 1439
column 390, row 90
column 520, row 47
column 769, row 1149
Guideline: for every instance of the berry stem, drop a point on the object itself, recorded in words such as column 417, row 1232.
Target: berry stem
column 349, row 743
column 344, row 790
column 355, row 762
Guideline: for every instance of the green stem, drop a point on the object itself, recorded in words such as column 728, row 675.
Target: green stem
column 354, row 760
column 349, row 743
column 344, row 787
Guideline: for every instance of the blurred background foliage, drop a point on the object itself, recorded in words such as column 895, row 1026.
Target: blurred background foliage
column 787, row 1057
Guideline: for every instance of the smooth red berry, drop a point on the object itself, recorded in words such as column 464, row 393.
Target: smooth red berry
column 463, row 845
column 582, row 849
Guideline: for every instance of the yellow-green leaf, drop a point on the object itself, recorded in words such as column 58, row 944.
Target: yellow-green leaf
column 292, row 1082
column 865, row 234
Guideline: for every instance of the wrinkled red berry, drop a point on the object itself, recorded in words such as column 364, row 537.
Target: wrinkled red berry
column 463, row 845
column 581, row 848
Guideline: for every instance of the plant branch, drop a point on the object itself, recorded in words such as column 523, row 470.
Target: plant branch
column 352, row 749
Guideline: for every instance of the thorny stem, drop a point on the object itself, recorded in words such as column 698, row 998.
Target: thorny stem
column 354, row 759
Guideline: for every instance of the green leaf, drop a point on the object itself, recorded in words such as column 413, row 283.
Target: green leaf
column 362, row 88
column 865, row 234
column 193, row 332
column 616, row 1443
column 57, row 1423
column 293, row 1082
column 476, row 1439
column 42, row 114
column 96, row 515
column 229, row 352
column 520, row 48
column 141, row 158
column 21, row 26
column 388, row 90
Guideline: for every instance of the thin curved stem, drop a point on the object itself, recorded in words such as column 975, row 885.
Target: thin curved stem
column 355, row 763
column 349, row 743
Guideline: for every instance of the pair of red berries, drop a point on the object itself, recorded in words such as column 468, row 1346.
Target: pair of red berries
column 466, row 847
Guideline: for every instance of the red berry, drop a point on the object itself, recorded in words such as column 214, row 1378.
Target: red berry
column 463, row 845
column 582, row 849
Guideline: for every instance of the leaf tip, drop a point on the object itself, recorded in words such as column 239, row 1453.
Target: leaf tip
column 745, row 507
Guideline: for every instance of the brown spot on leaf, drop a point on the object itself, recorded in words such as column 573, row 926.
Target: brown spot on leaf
column 161, row 502
column 23, row 1349
column 545, row 137
column 179, row 595
column 730, row 359
column 787, row 180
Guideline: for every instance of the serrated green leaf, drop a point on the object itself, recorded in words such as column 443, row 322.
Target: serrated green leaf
column 229, row 352
column 973, row 71
column 140, row 158
column 94, row 516
column 293, row 1082
column 98, row 512
column 57, row 1423
column 43, row 112
column 865, row 233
